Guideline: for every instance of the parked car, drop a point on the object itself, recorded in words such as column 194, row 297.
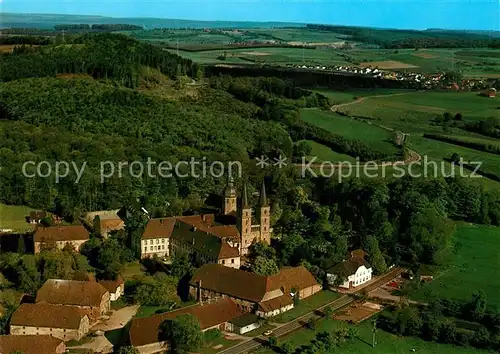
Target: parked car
column 268, row 333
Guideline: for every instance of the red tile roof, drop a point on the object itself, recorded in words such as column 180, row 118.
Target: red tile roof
column 31, row 344
column 276, row 303
column 111, row 285
column 107, row 225
column 249, row 286
column 202, row 241
column 163, row 227
column 71, row 292
column 146, row 330
column 61, row 233
column 289, row 278
column 48, row 315
column 233, row 282
column 229, row 232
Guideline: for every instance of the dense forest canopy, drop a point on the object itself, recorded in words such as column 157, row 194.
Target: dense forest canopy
column 105, row 56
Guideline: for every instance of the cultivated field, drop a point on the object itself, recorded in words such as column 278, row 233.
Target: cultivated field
column 473, row 267
column 388, row 64
column 326, row 49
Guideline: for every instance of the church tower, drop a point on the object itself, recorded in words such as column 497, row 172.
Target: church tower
column 245, row 222
column 229, row 198
column 264, row 217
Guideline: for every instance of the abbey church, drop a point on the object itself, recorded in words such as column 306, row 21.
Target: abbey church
column 251, row 228
column 220, row 238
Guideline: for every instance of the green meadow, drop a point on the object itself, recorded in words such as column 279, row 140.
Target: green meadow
column 473, row 267
column 14, row 217
column 373, row 136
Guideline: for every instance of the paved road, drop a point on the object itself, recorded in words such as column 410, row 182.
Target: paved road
column 118, row 319
column 257, row 342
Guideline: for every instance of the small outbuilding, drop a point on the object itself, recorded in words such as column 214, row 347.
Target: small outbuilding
column 243, row 324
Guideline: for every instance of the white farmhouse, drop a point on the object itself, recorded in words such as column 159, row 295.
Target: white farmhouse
column 355, row 270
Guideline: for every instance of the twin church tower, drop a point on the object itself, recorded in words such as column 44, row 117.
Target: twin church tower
column 251, row 228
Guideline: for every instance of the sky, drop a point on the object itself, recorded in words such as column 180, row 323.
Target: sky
column 416, row 14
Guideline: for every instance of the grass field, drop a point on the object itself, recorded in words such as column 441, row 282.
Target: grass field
column 307, row 305
column 473, row 267
column 414, row 111
column 387, row 343
column 324, row 153
column 373, row 136
column 14, row 217
column 338, row 97
column 279, row 56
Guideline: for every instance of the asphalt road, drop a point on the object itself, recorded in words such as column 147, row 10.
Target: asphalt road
column 257, row 342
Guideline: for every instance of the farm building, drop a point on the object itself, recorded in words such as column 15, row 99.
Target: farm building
column 115, row 287
column 32, row 344
column 265, row 295
column 63, row 322
column 146, row 332
column 355, row 270
column 244, row 324
column 60, row 236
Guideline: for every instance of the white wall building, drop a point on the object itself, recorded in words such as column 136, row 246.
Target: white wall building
column 356, row 271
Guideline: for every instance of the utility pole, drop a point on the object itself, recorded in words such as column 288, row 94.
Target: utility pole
column 177, row 45
column 374, row 341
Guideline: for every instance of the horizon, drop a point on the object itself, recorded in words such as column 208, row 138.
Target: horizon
column 416, row 15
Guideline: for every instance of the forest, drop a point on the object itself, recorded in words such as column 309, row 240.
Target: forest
column 400, row 39
column 106, row 56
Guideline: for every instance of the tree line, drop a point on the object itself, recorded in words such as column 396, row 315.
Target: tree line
column 447, row 321
column 481, row 146
column 412, row 39
column 109, row 27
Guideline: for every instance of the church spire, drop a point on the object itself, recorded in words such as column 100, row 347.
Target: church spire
column 244, row 197
column 263, row 198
